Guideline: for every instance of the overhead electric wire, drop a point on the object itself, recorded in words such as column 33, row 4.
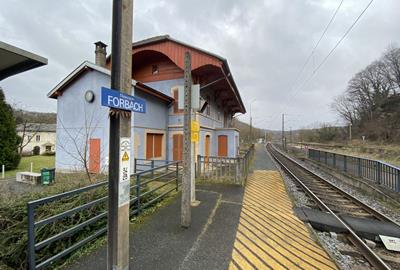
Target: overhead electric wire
column 318, row 42
column 298, row 76
column 331, row 51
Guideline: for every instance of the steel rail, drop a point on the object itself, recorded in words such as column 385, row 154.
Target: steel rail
column 368, row 253
column 364, row 206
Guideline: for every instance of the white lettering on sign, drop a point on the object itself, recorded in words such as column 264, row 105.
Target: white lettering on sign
column 124, row 170
column 126, row 104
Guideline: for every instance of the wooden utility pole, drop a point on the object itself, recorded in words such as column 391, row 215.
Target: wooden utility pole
column 187, row 149
column 120, row 138
column 350, row 135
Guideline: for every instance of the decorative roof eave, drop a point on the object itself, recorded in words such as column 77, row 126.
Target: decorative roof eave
column 85, row 66
column 218, row 61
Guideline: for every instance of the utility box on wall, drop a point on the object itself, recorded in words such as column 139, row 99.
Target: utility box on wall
column 195, row 97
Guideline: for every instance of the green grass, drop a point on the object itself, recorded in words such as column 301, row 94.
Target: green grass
column 39, row 162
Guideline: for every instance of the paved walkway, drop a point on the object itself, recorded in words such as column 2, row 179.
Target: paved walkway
column 232, row 228
column 269, row 235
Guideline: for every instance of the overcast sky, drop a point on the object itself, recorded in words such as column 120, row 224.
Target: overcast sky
column 266, row 44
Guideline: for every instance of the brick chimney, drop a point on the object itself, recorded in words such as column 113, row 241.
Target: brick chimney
column 101, row 53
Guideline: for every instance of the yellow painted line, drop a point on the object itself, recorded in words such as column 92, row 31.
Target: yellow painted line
column 281, row 219
column 269, row 235
column 270, row 256
column 288, row 236
column 241, row 261
column 259, row 264
column 294, row 248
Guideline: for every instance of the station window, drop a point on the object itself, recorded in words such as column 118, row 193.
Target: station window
column 38, row 138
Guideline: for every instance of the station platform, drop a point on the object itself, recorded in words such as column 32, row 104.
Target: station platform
column 269, row 235
column 251, row 227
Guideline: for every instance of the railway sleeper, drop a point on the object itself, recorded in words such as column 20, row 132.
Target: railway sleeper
column 364, row 227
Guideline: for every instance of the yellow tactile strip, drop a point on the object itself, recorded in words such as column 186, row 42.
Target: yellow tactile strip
column 269, row 234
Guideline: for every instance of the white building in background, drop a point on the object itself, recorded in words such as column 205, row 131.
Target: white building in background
column 37, row 136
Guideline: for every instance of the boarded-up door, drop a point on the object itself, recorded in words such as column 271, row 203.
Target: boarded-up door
column 222, row 145
column 94, row 155
column 177, row 146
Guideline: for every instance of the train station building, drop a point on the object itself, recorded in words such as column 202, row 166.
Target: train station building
column 157, row 73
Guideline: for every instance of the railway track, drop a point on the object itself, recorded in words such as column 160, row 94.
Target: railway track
column 333, row 200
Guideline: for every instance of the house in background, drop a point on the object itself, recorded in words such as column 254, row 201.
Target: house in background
column 37, row 138
column 157, row 72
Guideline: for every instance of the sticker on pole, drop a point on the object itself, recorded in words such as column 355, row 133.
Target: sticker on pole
column 194, row 137
column 195, row 126
column 124, row 170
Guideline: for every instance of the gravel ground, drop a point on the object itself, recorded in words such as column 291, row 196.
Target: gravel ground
column 331, row 244
column 368, row 200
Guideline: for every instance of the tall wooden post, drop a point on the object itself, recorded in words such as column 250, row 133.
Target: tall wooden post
column 120, row 138
column 187, row 149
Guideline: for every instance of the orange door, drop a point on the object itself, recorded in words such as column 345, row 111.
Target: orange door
column 149, row 146
column 222, row 145
column 177, row 146
column 94, row 155
column 207, row 149
column 207, row 146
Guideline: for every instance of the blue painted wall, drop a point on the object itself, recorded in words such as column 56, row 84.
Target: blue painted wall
column 78, row 120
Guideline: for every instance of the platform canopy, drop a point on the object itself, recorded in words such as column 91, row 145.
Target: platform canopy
column 14, row 60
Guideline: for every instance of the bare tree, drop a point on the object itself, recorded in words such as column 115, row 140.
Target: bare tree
column 28, row 132
column 371, row 99
column 345, row 107
column 76, row 142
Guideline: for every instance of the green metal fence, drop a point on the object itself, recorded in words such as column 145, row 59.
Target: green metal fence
column 74, row 222
column 376, row 171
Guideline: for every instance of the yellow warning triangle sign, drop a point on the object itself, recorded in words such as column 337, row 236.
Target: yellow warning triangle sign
column 125, row 157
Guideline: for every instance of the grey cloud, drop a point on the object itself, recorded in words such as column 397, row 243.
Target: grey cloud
column 265, row 42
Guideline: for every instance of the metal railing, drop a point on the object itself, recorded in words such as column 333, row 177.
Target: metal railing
column 147, row 187
column 224, row 169
column 141, row 164
column 376, row 171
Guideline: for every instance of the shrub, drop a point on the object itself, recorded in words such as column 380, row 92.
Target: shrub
column 9, row 140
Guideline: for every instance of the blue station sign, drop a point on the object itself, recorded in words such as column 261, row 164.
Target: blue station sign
column 116, row 99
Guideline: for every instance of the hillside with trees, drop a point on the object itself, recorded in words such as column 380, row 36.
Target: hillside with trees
column 371, row 102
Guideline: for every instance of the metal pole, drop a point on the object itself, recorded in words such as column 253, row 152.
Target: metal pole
column 3, row 169
column 31, row 237
column 31, row 166
column 283, row 131
column 251, row 127
column 120, row 126
column 186, row 178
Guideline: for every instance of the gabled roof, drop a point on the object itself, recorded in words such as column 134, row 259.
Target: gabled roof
column 167, row 37
column 37, row 127
column 15, row 60
column 87, row 66
column 225, row 66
